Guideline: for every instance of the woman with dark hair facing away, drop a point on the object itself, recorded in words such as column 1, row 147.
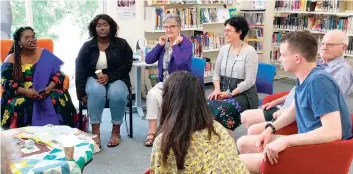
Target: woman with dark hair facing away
column 33, row 85
column 234, row 76
column 102, row 73
column 188, row 139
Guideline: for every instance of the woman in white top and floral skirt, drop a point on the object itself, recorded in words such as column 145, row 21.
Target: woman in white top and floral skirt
column 234, row 76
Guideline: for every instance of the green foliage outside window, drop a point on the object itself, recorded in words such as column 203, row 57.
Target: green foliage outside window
column 48, row 13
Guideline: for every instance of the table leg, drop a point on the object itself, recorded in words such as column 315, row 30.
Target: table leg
column 138, row 92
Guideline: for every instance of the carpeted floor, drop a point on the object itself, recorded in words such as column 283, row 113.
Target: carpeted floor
column 132, row 157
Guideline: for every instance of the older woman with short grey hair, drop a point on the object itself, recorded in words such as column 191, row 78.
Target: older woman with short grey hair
column 173, row 53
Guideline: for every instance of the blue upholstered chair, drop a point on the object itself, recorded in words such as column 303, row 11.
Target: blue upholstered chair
column 198, row 68
column 264, row 79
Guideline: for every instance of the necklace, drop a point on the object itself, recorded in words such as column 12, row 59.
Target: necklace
column 30, row 60
column 225, row 69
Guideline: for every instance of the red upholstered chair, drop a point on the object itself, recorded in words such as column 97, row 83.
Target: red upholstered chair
column 335, row 157
column 290, row 129
column 274, row 96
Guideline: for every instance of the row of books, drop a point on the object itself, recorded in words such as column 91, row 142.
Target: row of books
column 257, row 45
column 314, row 5
column 209, row 68
column 192, row 1
column 192, row 17
column 350, row 46
column 256, row 33
column 276, row 37
column 203, row 41
column 314, row 22
column 254, row 19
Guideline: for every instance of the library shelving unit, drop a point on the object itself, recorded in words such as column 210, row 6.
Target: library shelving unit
column 202, row 23
column 318, row 17
column 255, row 19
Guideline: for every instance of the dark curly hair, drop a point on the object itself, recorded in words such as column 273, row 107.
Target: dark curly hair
column 16, row 49
column 239, row 23
column 113, row 26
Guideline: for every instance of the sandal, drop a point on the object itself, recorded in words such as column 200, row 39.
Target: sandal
column 149, row 141
column 114, row 143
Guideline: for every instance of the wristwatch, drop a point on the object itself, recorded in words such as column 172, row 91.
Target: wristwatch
column 270, row 125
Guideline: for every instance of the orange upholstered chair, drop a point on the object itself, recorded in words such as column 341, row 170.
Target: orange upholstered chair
column 5, row 48
column 41, row 43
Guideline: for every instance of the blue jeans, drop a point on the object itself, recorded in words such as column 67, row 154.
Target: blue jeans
column 117, row 95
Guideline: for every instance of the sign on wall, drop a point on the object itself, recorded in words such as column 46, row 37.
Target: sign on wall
column 126, row 10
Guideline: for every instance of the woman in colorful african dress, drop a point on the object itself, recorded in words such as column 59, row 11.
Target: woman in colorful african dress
column 199, row 144
column 32, row 83
column 234, row 76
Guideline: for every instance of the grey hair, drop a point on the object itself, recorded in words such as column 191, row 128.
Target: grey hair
column 172, row 17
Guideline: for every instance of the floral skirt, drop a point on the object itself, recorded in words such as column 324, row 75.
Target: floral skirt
column 227, row 111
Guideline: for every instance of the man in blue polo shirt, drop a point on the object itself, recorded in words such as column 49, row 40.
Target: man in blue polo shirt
column 331, row 58
column 320, row 108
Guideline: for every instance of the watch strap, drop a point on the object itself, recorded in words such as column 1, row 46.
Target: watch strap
column 272, row 127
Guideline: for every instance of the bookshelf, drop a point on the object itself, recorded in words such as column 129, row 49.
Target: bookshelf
column 202, row 21
column 318, row 17
column 255, row 19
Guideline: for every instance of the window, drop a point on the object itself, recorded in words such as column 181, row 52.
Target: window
column 65, row 22
column 13, row 16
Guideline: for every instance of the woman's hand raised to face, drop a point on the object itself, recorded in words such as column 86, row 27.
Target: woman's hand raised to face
column 162, row 40
column 178, row 40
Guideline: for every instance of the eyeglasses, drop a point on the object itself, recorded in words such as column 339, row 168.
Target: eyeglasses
column 29, row 38
column 172, row 27
column 228, row 31
column 330, row 44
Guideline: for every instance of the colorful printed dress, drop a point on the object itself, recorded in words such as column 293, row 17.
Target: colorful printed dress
column 216, row 155
column 227, row 112
column 16, row 110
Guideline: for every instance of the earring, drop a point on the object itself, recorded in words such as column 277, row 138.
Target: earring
column 20, row 46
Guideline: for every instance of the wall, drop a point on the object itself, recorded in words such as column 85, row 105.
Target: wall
column 130, row 30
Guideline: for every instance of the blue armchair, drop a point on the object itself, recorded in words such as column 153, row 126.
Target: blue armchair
column 198, row 68
column 264, row 79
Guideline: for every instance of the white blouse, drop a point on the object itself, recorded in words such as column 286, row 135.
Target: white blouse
column 102, row 61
